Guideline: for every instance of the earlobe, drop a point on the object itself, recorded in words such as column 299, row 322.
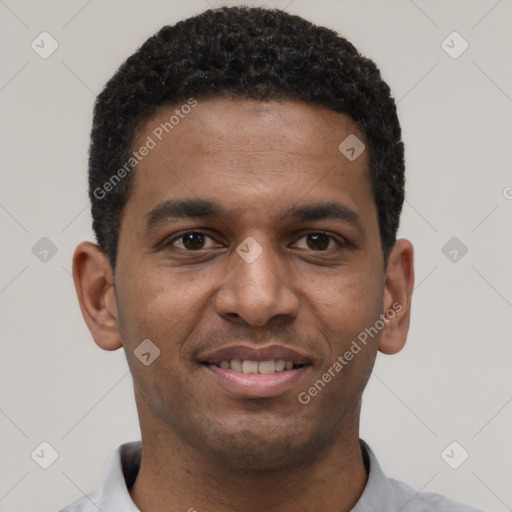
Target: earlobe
column 397, row 297
column 93, row 280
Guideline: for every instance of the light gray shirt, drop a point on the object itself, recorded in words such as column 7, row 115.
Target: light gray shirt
column 381, row 494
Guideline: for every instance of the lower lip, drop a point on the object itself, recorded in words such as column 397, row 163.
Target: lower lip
column 251, row 385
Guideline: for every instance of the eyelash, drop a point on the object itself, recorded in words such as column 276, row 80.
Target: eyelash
column 340, row 243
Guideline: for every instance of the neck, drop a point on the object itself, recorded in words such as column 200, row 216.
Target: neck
column 176, row 476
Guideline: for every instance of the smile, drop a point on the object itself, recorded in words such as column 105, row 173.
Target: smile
column 247, row 371
column 257, row 367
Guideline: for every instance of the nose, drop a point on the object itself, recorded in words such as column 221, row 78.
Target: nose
column 255, row 290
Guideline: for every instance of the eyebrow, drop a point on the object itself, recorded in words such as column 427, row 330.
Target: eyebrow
column 181, row 209
column 324, row 211
column 171, row 210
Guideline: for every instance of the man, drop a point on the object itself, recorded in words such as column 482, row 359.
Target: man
column 246, row 180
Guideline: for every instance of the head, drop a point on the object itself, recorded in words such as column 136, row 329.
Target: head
column 228, row 213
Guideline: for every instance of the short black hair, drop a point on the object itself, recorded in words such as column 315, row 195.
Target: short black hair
column 254, row 53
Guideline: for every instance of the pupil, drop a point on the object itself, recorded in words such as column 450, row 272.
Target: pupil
column 318, row 241
column 193, row 241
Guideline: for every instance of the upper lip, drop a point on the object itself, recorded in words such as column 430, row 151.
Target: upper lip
column 254, row 354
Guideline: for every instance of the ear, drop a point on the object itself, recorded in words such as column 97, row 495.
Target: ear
column 397, row 297
column 94, row 280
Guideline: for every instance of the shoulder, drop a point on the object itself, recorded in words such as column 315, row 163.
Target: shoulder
column 383, row 494
column 113, row 493
column 83, row 504
column 425, row 501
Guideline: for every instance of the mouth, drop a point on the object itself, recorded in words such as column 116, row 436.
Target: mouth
column 251, row 367
column 256, row 373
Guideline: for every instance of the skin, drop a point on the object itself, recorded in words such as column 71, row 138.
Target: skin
column 205, row 447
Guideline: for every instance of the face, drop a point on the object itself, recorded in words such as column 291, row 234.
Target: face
column 250, row 243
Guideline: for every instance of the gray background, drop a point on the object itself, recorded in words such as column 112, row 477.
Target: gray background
column 451, row 382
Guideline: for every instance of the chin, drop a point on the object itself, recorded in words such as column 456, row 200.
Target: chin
column 257, row 446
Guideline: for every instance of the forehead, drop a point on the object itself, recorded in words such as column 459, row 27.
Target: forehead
column 241, row 125
column 249, row 155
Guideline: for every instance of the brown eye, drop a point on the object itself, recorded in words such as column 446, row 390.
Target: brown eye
column 318, row 241
column 193, row 241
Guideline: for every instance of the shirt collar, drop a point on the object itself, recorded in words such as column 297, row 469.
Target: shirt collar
column 122, row 471
column 114, row 495
column 378, row 490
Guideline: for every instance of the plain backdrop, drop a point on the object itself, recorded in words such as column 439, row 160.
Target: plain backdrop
column 452, row 382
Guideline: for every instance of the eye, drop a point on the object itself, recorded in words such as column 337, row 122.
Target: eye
column 192, row 241
column 317, row 241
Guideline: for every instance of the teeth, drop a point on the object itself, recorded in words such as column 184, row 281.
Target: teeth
column 250, row 366
column 280, row 365
column 236, row 364
column 266, row 367
column 255, row 367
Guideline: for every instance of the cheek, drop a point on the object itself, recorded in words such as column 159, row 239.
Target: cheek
column 162, row 300
column 164, row 306
column 348, row 306
column 346, row 301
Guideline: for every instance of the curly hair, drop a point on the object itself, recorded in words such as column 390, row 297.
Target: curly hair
column 253, row 53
